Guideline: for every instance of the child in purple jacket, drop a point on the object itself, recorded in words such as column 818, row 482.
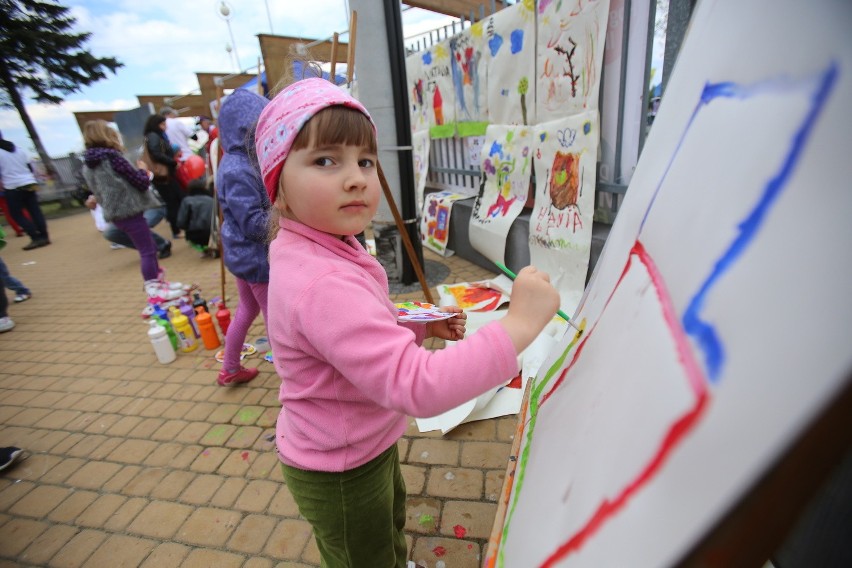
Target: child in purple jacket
column 245, row 207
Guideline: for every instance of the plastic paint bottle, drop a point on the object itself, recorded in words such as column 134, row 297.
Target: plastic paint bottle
column 187, row 311
column 160, row 340
column 224, row 318
column 186, row 337
column 164, row 323
column 199, row 301
column 205, row 326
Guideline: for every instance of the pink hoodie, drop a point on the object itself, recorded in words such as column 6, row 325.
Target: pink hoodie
column 350, row 374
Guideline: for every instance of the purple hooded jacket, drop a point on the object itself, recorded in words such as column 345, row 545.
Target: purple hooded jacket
column 242, row 195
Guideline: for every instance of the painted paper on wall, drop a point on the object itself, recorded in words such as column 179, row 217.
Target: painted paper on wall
column 420, row 143
column 561, row 220
column 510, row 51
column 430, row 90
column 418, row 107
column 435, row 220
column 570, row 50
column 504, row 186
column 468, row 65
column 691, row 295
column 473, row 145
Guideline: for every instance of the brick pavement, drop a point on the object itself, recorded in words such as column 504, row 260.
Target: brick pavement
column 133, row 463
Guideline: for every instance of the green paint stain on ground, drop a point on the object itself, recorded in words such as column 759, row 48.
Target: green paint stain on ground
column 249, row 414
column 216, row 435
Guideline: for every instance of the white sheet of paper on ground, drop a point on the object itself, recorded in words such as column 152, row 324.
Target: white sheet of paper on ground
column 500, row 401
column 458, row 415
column 509, row 400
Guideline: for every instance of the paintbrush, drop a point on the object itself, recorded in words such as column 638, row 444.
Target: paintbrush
column 560, row 313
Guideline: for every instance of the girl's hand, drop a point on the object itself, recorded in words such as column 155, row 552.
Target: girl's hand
column 451, row 329
column 141, row 165
column 532, row 305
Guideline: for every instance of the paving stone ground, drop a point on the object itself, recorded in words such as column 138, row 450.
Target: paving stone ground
column 134, row 463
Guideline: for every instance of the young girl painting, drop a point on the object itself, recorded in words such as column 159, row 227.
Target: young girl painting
column 350, row 372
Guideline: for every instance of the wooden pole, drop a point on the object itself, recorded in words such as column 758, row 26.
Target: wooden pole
column 216, row 194
column 406, row 240
column 334, row 45
column 350, row 59
column 259, row 79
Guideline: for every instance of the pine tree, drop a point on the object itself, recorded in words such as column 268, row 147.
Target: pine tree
column 42, row 57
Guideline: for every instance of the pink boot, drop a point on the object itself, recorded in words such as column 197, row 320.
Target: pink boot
column 241, row 375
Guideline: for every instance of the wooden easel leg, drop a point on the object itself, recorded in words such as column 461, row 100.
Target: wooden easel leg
column 406, row 240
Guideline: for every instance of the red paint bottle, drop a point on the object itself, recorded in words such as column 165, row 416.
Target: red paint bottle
column 223, row 316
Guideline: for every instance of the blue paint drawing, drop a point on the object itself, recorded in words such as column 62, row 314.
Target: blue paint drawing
column 494, row 44
column 517, row 41
column 703, row 332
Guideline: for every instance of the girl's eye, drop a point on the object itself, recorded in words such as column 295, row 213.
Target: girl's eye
column 324, row 161
column 366, row 163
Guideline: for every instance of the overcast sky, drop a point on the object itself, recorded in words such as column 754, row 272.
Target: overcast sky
column 163, row 43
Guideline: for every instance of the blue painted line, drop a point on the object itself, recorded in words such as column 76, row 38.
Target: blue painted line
column 703, row 332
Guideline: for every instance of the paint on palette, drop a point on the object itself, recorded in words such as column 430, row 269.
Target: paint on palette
column 420, row 312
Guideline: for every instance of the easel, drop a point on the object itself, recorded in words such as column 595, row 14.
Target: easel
column 400, row 224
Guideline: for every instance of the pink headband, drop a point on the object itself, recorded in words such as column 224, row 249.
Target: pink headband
column 283, row 119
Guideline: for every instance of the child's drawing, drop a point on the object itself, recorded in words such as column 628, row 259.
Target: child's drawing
column 481, row 296
column 692, row 297
column 435, row 220
column 420, row 143
column 561, row 220
column 430, row 90
column 468, row 66
column 506, row 168
column 571, row 37
column 510, row 53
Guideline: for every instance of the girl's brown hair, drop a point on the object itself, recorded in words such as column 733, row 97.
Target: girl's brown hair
column 99, row 134
column 336, row 125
